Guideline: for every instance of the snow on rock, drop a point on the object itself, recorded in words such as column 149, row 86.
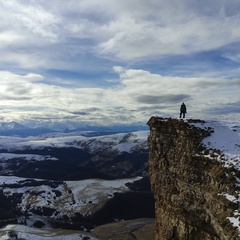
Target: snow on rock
column 226, row 138
column 235, row 220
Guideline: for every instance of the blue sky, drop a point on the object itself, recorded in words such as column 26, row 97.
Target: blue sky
column 118, row 62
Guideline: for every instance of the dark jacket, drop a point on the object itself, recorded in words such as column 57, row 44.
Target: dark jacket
column 183, row 108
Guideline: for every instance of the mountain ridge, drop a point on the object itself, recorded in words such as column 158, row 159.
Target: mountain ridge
column 38, row 128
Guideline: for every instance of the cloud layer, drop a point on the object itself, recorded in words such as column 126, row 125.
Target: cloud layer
column 112, row 62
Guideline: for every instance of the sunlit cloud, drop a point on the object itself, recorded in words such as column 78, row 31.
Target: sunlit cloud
column 108, row 62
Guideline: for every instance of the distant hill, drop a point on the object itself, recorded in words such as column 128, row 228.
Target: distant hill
column 35, row 129
column 75, row 156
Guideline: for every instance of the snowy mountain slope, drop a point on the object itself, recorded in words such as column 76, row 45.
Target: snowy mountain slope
column 119, row 155
column 121, row 141
column 71, row 196
column 223, row 145
column 224, row 138
column 49, row 202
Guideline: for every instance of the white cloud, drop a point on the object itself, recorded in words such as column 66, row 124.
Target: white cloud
column 138, row 95
column 166, row 91
column 30, row 17
column 125, row 29
column 144, row 29
column 7, row 77
column 9, row 37
column 38, row 38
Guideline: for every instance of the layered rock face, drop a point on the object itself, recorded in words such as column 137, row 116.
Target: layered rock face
column 187, row 185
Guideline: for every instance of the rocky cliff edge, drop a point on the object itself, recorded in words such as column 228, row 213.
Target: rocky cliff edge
column 196, row 192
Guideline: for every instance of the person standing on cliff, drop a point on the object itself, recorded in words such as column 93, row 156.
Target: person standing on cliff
column 183, row 110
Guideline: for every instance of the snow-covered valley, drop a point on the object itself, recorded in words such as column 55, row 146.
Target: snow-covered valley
column 73, row 181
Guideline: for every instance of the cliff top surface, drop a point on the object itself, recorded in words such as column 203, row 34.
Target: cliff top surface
column 222, row 145
column 224, row 136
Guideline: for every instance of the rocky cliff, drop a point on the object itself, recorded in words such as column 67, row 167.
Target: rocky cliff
column 189, row 183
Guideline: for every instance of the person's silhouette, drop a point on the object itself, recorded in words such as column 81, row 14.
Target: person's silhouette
column 183, row 110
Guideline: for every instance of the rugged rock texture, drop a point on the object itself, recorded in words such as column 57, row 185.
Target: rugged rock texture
column 187, row 184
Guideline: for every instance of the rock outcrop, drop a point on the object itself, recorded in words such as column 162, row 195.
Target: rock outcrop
column 188, row 185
